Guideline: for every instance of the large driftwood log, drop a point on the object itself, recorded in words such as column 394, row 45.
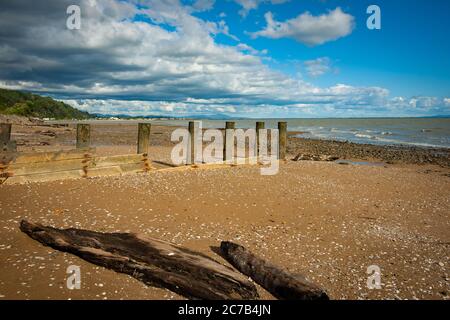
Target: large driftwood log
column 280, row 283
column 155, row 262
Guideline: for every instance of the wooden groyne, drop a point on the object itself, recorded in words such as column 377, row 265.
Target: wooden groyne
column 83, row 162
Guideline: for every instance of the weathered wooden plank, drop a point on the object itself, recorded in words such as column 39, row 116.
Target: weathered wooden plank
column 45, row 177
column 49, row 166
column 118, row 160
column 278, row 282
column 133, row 167
column 208, row 166
column 20, row 169
column 103, row 171
column 89, row 172
column 152, row 261
column 27, row 157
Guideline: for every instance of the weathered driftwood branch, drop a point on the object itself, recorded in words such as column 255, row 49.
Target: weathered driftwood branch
column 279, row 283
column 155, row 262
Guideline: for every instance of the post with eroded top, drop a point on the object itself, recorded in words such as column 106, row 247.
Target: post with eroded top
column 83, row 135
column 5, row 132
column 5, row 138
column 143, row 138
column 282, row 140
column 228, row 138
column 194, row 142
column 259, row 126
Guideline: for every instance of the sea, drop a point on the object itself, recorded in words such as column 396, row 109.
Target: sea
column 426, row 132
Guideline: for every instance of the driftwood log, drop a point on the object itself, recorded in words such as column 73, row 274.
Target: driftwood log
column 280, row 283
column 152, row 261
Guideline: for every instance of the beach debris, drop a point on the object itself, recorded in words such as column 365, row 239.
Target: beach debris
column 314, row 157
column 186, row 272
column 48, row 133
column 280, row 283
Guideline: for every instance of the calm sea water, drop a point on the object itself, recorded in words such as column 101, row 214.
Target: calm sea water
column 428, row 132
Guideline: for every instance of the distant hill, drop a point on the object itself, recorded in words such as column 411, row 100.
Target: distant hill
column 26, row 104
column 217, row 116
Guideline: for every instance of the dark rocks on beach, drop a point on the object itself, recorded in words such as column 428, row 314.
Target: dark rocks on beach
column 388, row 154
column 314, row 157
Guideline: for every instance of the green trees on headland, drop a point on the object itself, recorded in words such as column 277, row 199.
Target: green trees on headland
column 26, row 104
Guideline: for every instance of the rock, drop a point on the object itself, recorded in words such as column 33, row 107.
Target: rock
column 328, row 158
column 48, row 133
column 314, row 157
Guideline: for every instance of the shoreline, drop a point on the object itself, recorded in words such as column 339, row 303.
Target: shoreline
column 424, row 132
column 380, row 144
column 43, row 136
column 391, row 154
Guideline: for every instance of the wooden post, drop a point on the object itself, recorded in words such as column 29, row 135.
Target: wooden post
column 229, row 125
column 194, row 128
column 143, row 137
column 259, row 125
column 282, row 139
column 6, row 144
column 83, row 135
column 5, row 132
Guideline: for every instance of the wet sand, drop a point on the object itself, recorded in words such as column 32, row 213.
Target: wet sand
column 325, row 220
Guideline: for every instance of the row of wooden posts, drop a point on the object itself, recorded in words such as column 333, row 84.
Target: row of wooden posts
column 84, row 137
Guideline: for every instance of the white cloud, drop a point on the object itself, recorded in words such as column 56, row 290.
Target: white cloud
column 203, row 5
column 139, row 108
column 220, row 27
column 308, row 29
column 248, row 5
column 173, row 65
column 318, row 67
column 246, row 48
column 419, row 105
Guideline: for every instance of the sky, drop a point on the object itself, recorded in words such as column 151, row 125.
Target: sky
column 238, row 58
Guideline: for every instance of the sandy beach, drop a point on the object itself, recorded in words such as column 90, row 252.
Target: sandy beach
column 324, row 220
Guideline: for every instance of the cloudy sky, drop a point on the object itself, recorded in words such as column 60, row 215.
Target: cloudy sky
column 251, row 58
